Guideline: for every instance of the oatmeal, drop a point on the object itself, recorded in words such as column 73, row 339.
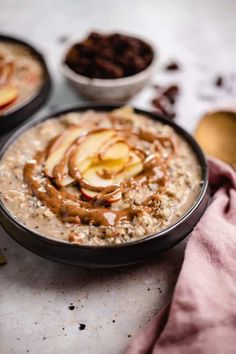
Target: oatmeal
column 21, row 75
column 99, row 177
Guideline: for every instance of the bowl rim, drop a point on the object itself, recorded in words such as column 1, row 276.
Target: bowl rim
column 40, row 58
column 25, row 126
column 96, row 82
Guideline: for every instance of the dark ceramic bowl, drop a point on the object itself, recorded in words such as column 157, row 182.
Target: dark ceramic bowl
column 28, row 107
column 111, row 255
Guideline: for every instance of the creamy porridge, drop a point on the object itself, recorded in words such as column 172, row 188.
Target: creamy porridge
column 21, row 75
column 99, row 177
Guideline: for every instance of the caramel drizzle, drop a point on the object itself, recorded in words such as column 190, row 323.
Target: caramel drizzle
column 66, row 205
column 70, row 208
column 6, row 71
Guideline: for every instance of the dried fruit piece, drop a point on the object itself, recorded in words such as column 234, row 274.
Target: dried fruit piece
column 219, row 81
column 165, row 100
column 171, row 93
column 163, row 106
column 172, row 66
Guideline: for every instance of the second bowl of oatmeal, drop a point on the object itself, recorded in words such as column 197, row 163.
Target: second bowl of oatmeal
column 25, row 83
column 103, row 186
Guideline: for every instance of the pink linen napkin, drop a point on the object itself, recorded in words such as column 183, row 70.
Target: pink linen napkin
column 201, row 318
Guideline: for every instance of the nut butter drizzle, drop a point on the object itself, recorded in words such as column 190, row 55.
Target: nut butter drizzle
column 70, row 208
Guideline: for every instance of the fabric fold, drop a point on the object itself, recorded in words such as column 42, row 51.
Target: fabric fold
column 201, row 317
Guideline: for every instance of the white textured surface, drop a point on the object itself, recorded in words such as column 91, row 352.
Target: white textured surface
column 35, row 293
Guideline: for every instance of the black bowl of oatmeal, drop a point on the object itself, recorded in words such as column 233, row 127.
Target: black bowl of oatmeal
column 25, row 83
column 103, row 186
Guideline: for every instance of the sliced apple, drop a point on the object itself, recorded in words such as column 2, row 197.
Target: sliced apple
column 115, row 198
column 92, row 195
column 129, row 172
column 59, row 148
column 66, row 138
column 133, row 158
column 91, row 175
column 115, row 139
column 8, row 94
column 94, row 174
column 6, row 72
column 61, row 174
column 132, row 168
column 85, row 164
column 89, row 194
column 117, row 151
column 89, row 148
column 66, row 181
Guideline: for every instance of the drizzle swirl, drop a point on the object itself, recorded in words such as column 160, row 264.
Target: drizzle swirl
column 62, row 186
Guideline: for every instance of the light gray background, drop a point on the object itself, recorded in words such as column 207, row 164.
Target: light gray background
column 35, row 293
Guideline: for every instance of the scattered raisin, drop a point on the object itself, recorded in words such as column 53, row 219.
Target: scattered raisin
column 171, row 93
column 165, row 100
column 219, row 81
column 163, row 107
column 82, row 326
column 172, row 66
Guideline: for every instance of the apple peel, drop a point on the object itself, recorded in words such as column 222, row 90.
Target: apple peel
column 8, row 95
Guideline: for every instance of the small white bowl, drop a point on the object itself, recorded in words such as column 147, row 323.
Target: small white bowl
column 108, row 90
